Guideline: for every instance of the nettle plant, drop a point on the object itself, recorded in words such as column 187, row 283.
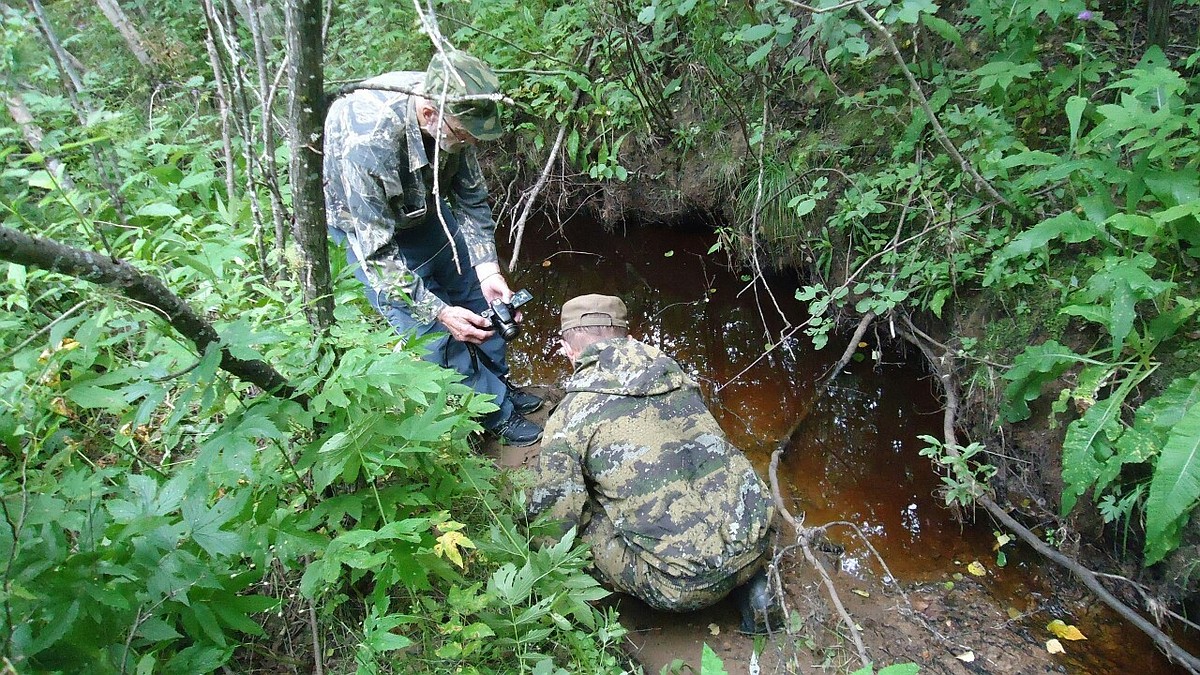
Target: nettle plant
column 1131, row 242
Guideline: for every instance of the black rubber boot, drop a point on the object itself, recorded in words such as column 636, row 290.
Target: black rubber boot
column 756, row 602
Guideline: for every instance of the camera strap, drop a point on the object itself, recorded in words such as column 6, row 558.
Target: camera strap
column 479, row 356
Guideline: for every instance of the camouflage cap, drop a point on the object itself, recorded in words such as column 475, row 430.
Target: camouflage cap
column 594, row 310
column 465, row 75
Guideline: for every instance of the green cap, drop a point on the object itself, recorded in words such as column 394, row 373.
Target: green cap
column 466, row 76
column 594, row 310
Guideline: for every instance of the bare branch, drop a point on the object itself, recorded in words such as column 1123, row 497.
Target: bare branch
column 22, row 249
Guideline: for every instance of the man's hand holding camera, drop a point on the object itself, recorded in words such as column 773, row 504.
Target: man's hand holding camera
column 467, row 326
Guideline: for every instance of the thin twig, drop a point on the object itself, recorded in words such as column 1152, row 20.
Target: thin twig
column 803, row 538
column 9, row 354
column 938, row 131
column 851, row 348
column 531, row 196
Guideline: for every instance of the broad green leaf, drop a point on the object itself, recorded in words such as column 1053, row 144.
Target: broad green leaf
column 1086, row 448
column 1175, row 187
column 1175, row 487
column 1066, row 226
column 1142, row 226
column 159, row 210
column 943, row 28
column 1163, row 412
column 900, row 669
column 912, row 10
column 710, row 663
column 205, row 524
column 1089, row 443
column 1033, row 368
column 755, row 33
column 1075, row 107
column 759, row 54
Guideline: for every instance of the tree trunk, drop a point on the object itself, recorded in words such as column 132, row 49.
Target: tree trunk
column 308, row 197
column 133, row 39
column 66, row 61
column 33, row 136
column 1158, row 23
column 223, row 108
column 22, row 249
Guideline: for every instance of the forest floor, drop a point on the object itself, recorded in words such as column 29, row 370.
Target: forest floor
column 945, row 627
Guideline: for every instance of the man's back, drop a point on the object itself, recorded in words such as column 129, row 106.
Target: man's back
column 655, row 462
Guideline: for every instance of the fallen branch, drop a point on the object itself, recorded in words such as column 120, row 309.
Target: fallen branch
column 22, row 249
column 804, row 539
column 851, row 348
column 531, row 196
column 943, row 368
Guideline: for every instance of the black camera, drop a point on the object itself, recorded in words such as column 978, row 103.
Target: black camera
column 503, row 314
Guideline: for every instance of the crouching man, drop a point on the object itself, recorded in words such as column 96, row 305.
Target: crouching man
column 674, row 513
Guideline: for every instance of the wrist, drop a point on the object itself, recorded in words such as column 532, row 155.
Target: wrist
column 487, row 270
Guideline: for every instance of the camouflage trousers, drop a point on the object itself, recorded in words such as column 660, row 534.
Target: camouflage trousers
column 622, row 568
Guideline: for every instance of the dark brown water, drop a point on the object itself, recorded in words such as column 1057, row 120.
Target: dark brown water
column 854, row 457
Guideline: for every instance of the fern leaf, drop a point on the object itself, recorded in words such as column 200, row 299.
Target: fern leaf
column 1175, row 487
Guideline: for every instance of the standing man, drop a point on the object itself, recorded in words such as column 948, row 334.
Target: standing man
column 674, row 513
column 423, row 244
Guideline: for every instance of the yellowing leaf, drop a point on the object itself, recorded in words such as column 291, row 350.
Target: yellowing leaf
column 859, row 591
column 1055, row 647
column 1064, row 630
column 862, row 345
column 714, row 629
column 977, row 569
column 449, row 544
column 1001, row 540
column 58, row 405
column 966, row 657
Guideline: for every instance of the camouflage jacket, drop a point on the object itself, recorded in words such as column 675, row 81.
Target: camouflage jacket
column 633, row 437
column 379, row 182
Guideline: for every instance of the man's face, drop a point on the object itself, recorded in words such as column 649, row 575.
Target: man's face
column 448, row 131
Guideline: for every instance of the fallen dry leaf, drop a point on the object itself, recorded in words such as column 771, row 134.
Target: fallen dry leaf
column 1055, row 647
column 977, row 569
column 966, row 657
column 859, row 591
column 1064, row 630
column 714, row 629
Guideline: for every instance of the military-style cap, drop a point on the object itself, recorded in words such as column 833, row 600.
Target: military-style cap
column 594, row 310
column 465, row 75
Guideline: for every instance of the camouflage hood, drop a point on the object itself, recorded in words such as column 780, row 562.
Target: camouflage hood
column 626, row 367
